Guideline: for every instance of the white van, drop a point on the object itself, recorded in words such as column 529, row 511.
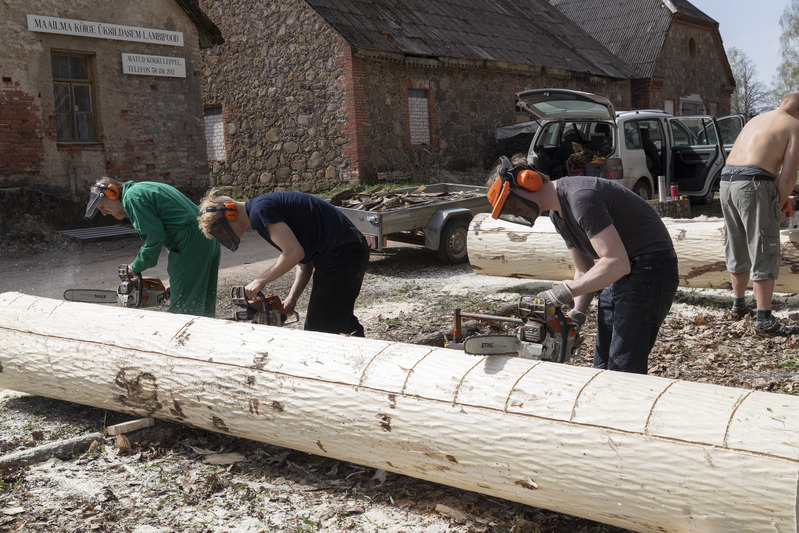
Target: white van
column 581, row 134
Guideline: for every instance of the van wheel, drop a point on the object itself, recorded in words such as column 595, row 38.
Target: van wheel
column 452, row 246
column 642, row 189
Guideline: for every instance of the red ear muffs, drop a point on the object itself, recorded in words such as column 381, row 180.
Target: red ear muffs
column 231, row 212
column 497, row 195
column 529, row 180
column 110, row 191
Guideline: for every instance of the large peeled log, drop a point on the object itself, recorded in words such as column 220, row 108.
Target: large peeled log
column 499, row 248
column 640, row 452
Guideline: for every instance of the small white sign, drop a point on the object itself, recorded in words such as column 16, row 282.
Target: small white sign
column 143, row 65
column 102, row 30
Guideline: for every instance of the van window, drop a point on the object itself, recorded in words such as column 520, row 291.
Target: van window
column 703, row 131
column 632, row 138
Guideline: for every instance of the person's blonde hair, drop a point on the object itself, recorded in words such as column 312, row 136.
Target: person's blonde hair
column 213, row 198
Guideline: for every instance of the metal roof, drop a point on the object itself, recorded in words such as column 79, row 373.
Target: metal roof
column 634, row 30
column 517, row 32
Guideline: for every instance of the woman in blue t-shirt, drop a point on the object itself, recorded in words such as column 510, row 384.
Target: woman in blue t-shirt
column 310, row 234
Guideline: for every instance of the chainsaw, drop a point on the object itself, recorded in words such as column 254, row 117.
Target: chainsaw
column 136, row 291
column 791, row 220
column 262, row 309
column 542, row 332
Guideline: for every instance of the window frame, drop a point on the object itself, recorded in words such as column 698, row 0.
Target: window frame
column 73, row 115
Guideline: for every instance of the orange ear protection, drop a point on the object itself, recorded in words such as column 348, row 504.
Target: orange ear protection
column 231, row 212
column 521, row 176
column 109, row 190
column 528, row 179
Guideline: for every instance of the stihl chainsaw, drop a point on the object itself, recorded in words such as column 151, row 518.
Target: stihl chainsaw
column 791, row 220
column 266, row 310
column 136, row 291
column 543, row 332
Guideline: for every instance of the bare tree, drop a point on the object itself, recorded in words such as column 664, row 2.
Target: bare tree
column 750, row 95
column 787, row 77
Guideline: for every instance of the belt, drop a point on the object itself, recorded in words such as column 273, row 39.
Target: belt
column 665, row 254
column 745, row 177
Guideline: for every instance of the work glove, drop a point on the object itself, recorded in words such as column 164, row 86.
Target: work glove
column 558, row 295
column 578, row 317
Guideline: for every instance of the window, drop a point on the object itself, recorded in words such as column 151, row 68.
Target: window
column 632, row 137
column 73, row 95
column 215, row 134
column 692, row 48
column 419, row 116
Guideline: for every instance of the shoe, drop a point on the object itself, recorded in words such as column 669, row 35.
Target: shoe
column 774, row 328
column 738, row 313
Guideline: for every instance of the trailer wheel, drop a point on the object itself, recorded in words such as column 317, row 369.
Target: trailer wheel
column 452, row 246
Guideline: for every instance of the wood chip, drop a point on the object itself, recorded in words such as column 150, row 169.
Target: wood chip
column 127, row 427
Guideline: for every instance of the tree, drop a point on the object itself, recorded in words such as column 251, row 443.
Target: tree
column 787, row 77
column 750, row 95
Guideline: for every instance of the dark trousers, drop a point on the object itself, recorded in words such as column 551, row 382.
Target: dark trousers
column 631, row 311
column 337, row 280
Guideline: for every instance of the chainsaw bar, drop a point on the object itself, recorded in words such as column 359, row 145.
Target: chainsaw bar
column 492, row 345
column 91, row 296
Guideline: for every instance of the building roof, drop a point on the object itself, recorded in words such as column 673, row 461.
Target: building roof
column 514, row 32
column 634, row 30
column 207, row 30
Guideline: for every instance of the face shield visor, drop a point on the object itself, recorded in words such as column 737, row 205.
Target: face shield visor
column 94, row 200
column 223, row 233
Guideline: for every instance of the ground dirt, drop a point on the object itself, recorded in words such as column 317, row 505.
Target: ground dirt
column 173, row 478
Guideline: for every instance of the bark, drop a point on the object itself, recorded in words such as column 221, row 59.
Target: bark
column 498, row 248
column 64, row 449
column 639, row 452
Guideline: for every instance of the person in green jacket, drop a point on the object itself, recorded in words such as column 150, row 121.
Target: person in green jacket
column 165, row 218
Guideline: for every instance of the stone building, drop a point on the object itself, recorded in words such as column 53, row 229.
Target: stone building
column 675, row 48
column 308, row 94
column 99, row 88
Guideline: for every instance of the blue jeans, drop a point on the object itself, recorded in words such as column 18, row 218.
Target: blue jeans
column 631, row 310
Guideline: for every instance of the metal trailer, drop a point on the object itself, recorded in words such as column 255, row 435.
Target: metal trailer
column 441, row 226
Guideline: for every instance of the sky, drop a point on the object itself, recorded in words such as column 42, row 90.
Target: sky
column 752, row 26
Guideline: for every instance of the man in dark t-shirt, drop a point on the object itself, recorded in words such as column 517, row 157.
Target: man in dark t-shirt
column 619, row 246
column 312, row 235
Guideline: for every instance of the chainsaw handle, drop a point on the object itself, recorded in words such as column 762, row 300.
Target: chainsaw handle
column 564, row 333
column 140, row 290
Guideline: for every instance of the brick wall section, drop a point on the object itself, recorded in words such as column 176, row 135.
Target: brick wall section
column 21, row 133
column 148, row 128
column 353, row 129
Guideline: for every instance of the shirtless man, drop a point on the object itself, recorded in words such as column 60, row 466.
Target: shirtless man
column 759, row 176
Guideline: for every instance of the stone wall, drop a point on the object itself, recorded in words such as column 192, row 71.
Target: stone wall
column 305, row 112
column 278, row 79
column 468, row 104
column 684, row 75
